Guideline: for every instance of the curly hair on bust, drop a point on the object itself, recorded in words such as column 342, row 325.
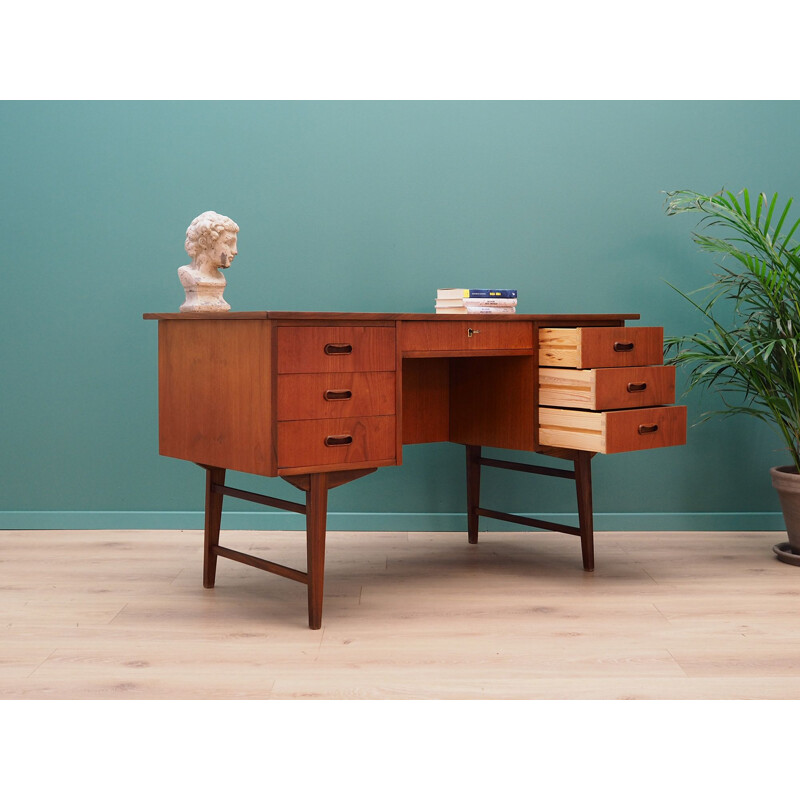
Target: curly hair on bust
column 205, row 230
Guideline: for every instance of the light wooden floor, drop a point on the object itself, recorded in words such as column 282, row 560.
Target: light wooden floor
column 123, row 614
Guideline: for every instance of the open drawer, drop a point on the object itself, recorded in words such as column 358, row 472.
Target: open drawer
column 583, row 348
column 613, row 431
column 607, row 388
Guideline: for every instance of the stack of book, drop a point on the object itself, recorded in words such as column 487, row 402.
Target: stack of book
column 476, row 301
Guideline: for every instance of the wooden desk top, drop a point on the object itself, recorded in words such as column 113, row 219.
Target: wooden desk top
column 302, row 316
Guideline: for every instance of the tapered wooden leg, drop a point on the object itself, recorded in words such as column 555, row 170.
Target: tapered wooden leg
column 583, row 485
column 212, row 525
column 473, row 491
column 316, row 520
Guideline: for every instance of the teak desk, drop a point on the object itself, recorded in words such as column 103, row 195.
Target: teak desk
column 320, row 399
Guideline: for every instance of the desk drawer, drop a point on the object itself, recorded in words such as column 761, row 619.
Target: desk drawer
column 476, row 335
column 335, row 394
column 613, row 431
column 583, row 348
column 348, row 440
column 335, row 349
column 615, row 387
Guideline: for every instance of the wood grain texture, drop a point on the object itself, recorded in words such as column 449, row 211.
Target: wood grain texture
column 613, row 431
column 666, row 615
column 492, row 402
column 609, row 388
column 310, row 443
column 303, row 349
column 335, row 394
column 425, row 400
column 584, row 348
column 348, row 317
column 465, row 336
column 215, row 396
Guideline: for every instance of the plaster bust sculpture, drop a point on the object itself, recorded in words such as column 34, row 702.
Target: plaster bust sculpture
column 211, row 244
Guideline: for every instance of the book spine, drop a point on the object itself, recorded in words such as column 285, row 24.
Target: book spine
column 490, row 292
column 490, row 301
column 490, row 309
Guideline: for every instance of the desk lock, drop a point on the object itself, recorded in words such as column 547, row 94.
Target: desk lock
column 471, row 332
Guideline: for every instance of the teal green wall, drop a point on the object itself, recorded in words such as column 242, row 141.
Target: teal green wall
column 354, row 206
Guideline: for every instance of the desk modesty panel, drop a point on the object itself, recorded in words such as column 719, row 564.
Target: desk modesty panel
column 321, row 399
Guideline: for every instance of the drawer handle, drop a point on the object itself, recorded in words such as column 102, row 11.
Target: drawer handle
column 623, row 347
column 637, row 387
column 648, row 428
column 338, row 349
column 338, row 441
column 338, row 394
column 471, row 332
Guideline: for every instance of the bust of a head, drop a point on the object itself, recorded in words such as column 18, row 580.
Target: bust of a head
column 211, row 242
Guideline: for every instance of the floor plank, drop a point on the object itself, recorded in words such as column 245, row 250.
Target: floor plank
column 666, row 615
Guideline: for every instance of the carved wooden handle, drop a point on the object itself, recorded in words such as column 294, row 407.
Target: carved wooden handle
column 338, row 441
column 338, row 349
column 648, row 428
column 637, row 387
column 338, row 394
column 623, row 347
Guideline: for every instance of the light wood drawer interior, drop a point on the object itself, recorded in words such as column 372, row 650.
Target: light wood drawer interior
column 584, row 348
column 465, row 336
column 613, row 431
column 607, row 388
column 335, row 394
column 336, row 349
column 348, row 440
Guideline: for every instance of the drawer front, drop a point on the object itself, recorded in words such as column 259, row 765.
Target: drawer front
column 349, row 440
column 465, row 336
column 335, row 349
column 335, row 394
column 613, row 431
column 599, row 389
column 584, row 348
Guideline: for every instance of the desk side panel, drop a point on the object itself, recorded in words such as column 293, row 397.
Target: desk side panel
column 215, row 393
column 425, row 400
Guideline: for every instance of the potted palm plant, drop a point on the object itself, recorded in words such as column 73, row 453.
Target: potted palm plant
column 749, row 353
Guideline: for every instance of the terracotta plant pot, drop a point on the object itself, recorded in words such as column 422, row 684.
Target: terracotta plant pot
column 786, row 481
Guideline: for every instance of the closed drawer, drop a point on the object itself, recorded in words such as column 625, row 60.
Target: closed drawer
column 335, row 394
column 613, row 431
column 613, row 387
column 583, row 348
column 348, row 440
column 335, row 349
column 465, row 336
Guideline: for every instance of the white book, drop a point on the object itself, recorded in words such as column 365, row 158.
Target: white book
column 490, row 309
column 475, row 310
column 475, row 301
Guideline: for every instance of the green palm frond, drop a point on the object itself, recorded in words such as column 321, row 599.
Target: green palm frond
column 749, row 354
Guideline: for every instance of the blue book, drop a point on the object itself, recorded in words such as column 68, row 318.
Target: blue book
column 445, row 294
